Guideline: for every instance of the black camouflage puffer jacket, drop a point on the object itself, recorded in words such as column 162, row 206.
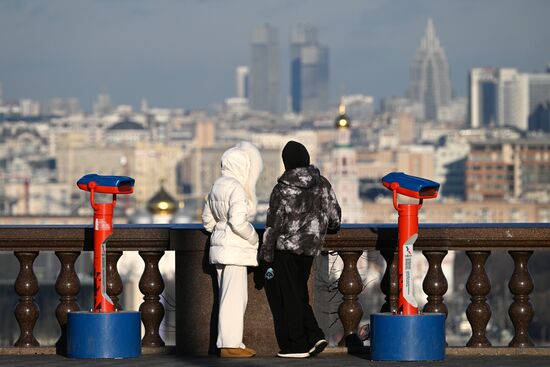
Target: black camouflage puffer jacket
column 302, row 207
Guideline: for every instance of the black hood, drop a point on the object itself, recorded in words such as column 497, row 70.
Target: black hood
column 295, row 155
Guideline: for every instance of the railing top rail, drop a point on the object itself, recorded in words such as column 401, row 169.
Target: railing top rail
column 353, row 237
column 80, row 238
column 475, row 236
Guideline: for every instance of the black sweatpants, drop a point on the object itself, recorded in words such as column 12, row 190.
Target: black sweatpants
column 296, row 328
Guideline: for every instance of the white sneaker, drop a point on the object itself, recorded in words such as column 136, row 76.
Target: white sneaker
column 293, row 355
column 318, row 347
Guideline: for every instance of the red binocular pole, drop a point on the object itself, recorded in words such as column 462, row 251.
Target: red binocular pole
column 103, row 228
column 418, row 188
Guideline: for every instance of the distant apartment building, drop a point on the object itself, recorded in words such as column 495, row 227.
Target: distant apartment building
column 450, row 169
column 508, row 169
column 127, row 132
column 437, row 211
column 417, row 160
column 406, row 128
column 102, row 105
column 29, row 108
column 506, row 97
column 236, row 106
column 359, row 107
column 396, row 105
column 63, row 107
column 309, row 71
column 430, row 75
column 242, row 81
column 264, row 70
column 149, row 163
column 490, row 171
column 35, row 198
column 202, row 167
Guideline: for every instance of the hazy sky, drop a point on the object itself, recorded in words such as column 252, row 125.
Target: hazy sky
column 183, row 53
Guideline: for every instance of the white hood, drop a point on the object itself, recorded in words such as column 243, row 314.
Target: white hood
column 244, row 163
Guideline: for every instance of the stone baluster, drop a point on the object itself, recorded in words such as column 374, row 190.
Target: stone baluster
column 26, row 310
column 389, row 284
column 478, row 311
column 152, row 311
column 67, row 286
column 521, row 311
column 114, row 282
column 435, row 284
column 350, row 285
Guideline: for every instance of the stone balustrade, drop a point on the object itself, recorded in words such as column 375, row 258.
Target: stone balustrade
column 478, row 241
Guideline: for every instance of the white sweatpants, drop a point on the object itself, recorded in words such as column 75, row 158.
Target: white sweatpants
column 232, row 283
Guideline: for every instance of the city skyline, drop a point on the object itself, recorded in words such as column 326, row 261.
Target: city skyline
column 184, row 54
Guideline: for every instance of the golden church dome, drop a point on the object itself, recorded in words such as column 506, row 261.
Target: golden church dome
column 162, row 203
column 342, row 121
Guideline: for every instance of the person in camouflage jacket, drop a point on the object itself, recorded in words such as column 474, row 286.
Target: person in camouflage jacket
column 302, row 207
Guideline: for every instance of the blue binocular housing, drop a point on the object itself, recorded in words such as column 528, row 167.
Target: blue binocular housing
column 412, row 186
column 106, row 184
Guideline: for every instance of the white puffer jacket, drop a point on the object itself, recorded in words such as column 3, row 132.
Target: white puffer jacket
column 231, row 205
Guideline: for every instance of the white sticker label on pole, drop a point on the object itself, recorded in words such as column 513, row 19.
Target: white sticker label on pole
column 104, row 272
column 408, row 280
column 101, row 225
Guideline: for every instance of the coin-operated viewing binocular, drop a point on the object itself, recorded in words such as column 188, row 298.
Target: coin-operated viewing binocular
column 418, row 188
column 106, row 331
column 103, row 227
column 405, row 334
column 411, row 186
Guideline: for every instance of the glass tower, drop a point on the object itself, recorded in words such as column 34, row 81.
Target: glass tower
column 539, row 101
column 309, row 71
column 264, row 70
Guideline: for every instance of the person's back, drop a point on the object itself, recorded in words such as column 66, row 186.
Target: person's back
column 220, row 196
column 308, row 209
column 234, row 240
column 228, row 211
column 302, row 207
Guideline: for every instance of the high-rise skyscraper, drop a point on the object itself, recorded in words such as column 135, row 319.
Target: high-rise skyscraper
column 300, row 36
column 430, row 75
column 483, row 97
column 102, row 105
column 498, row 97
column 539, row 101
column 309, row 71
column 264, row 70
column 513, row 98
column 242, row 81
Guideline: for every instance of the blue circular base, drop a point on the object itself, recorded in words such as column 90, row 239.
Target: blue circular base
column 103, row 334
column 407, row 337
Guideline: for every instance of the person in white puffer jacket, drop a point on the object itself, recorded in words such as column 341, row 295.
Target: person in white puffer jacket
column 229, row 209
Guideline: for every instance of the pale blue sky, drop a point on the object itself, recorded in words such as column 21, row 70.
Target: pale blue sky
column 182, row 53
